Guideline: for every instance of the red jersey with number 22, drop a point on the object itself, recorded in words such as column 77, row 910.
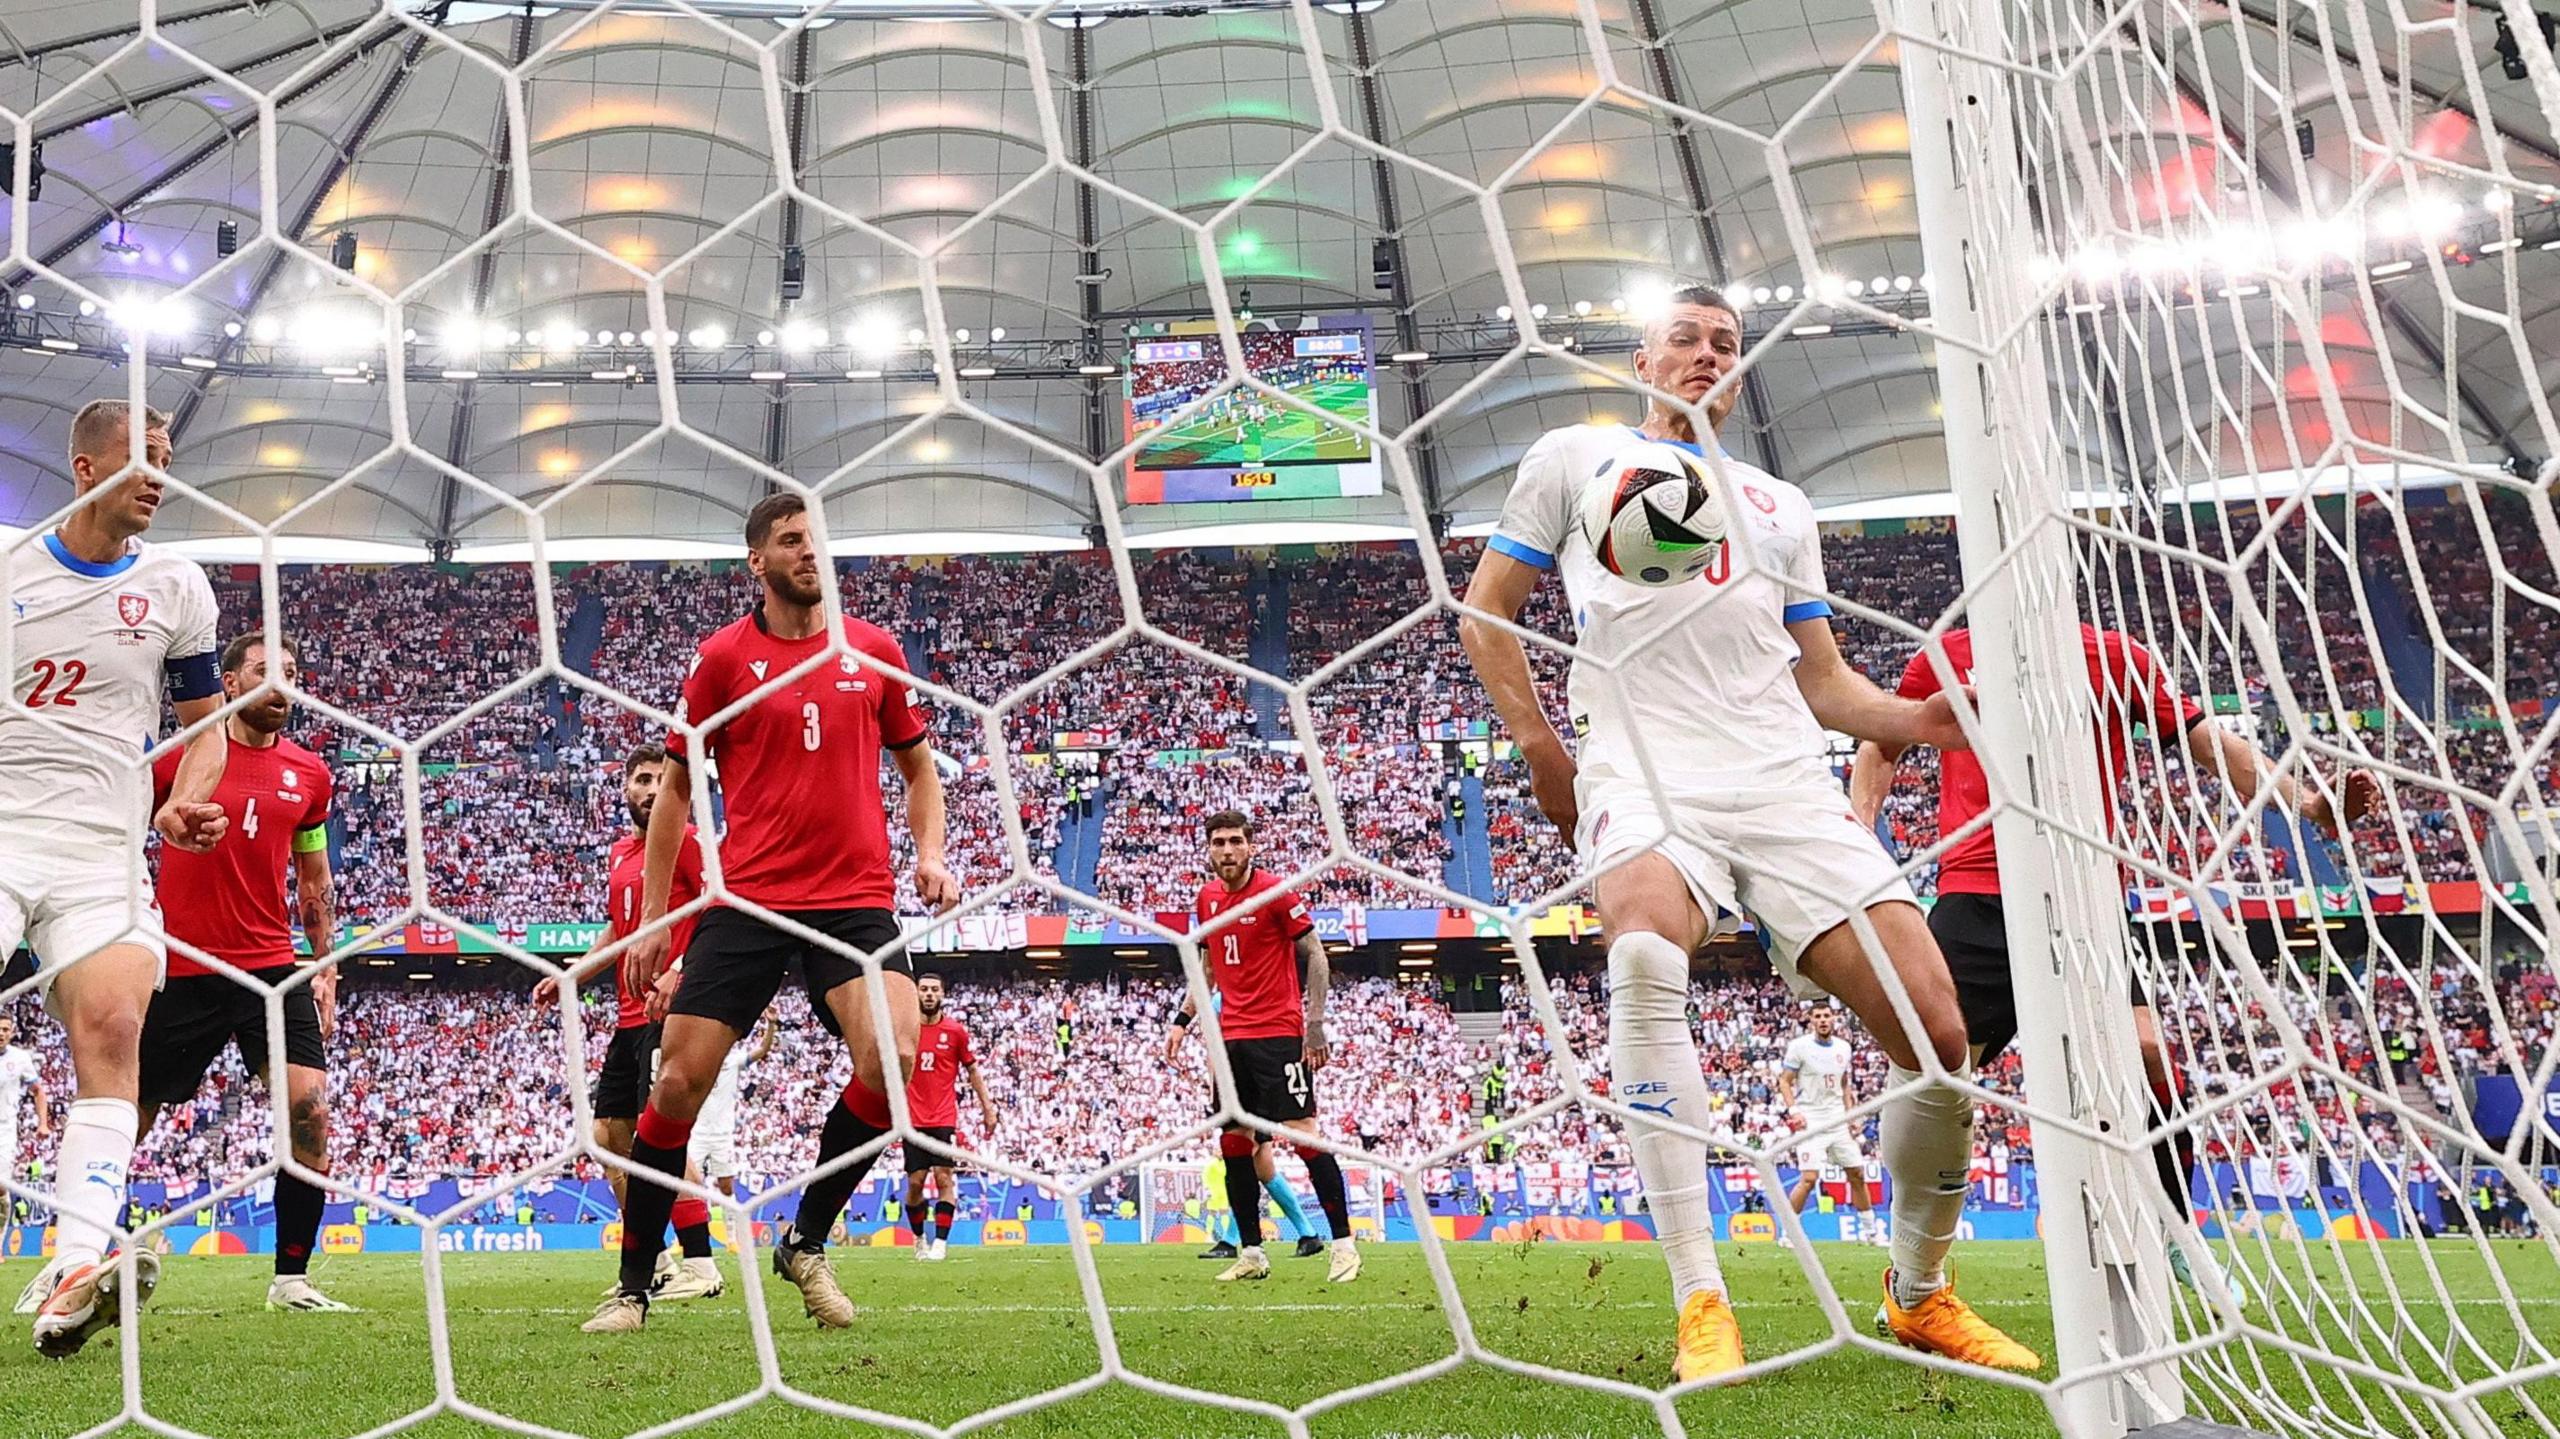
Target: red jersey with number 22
column 2125, row 679
column 933, row 1096
column 1253, row 959
column 630, row 877
column 229, row 902
column 800, row 768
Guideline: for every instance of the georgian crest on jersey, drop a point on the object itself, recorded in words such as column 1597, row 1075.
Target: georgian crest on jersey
column 133, row 609
column 292, row 779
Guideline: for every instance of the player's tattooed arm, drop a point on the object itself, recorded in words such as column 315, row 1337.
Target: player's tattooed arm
column 1319, row 980
column 934, row 884
column 316, row 891
column 1847, row 701
column 190, row 819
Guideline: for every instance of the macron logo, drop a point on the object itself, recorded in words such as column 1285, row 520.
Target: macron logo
column 758, row 667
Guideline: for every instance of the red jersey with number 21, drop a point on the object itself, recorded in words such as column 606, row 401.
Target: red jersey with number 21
column 630, row 877
column 2125, row 680
column 933, row 1096
column 1253, row 960
column 800, row 768
column 229, row 902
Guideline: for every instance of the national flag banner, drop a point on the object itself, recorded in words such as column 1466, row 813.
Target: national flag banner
column 429, row 937
column 1741, row 1179
column 2386, row 894
column 2338, row 899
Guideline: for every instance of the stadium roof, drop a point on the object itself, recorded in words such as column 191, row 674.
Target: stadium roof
column 653, row 140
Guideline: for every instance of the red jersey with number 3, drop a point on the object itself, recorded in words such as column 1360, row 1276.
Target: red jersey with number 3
column 1253, row 959
column 933, row 1096
column 2127, row 682
column 630, row 862
column 230, row 901
column 800, row 768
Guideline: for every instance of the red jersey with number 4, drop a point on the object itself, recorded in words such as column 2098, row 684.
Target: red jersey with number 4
column 1253, row 959
column 800, row 768
column 933, row 1096
column 230, row 902
column 2126, row 680
column 630, row 862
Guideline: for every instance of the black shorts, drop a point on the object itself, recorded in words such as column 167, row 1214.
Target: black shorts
column 195, row 1015
column 1973, row 934
column 736, row 962
column 1272, row 1082
column 630, row 1067
column 920, row 1159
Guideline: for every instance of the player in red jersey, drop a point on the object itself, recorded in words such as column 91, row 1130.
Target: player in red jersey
column 2126, row 683
column 1274, row 1045
column 631, row 1056
column 808, row 841
column 933, row 1106
column 229, row 903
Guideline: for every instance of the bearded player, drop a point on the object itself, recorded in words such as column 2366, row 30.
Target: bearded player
column 104, row 630
column 1274, row 1036
column 231, row 904
column 933, row 1106
column 631, row 1056
column 1814, row 1086
column 1730, row 703
column 808, row 839
column 2125, row 686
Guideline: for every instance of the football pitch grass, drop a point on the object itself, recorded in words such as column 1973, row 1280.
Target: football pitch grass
column 941, row 1342
column 1288, row 437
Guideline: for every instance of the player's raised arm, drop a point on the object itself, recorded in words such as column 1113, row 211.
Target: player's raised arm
column 1847, row 701
column 2246, row 769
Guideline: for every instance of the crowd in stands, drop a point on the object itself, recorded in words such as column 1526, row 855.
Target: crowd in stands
column 470, row 1083
column 519, row 804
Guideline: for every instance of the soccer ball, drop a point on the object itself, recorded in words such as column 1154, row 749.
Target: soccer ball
column 1652, row 516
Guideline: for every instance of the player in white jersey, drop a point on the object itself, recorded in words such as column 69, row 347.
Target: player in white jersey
column 1729, row 703
column 1814, row 1086
column 20, row 1071
column 101, row 628
column 714, row 1147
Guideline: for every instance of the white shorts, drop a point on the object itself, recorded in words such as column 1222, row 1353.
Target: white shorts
column 1828, row 1148
column 1795, row 859
column 714, row 1147
column 68, row 899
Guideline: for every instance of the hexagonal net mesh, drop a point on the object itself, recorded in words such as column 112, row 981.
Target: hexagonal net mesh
column 2232, row 321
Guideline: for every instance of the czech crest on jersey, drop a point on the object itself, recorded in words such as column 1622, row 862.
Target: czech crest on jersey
column 132, row 609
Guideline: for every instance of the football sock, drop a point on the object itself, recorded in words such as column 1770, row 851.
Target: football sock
column 1244, row 1192
column 1656, row 1072
column 943, row 1212
column 88, row 1190
column 1287, row 1198
column 861, row 1118
column 1927, row 1144
column 1222, row 1224
column 298, row 1206
column 1325, row 1172
column 692, row 1219
column 915, row 1218
column 657, row 1143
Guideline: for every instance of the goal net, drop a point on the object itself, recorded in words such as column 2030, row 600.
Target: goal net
column 2231, row 322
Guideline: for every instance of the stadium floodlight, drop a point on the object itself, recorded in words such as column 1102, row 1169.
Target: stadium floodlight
column 874, row 336
column 88, row 308
column 764, row 337
column 996, row 335
column 1581, row 308
column 706, row 337
column 26, row 301
column 1648, row 299
column 799, row 337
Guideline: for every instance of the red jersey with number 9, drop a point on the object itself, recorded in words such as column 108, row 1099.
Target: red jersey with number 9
column 800, row 768
column 230, row 901
column 1253, row 958
column 623, row 890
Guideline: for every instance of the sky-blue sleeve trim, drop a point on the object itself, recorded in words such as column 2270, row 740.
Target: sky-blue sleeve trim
column 1807, row 610
column 1525, row 554
column 79, row 566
